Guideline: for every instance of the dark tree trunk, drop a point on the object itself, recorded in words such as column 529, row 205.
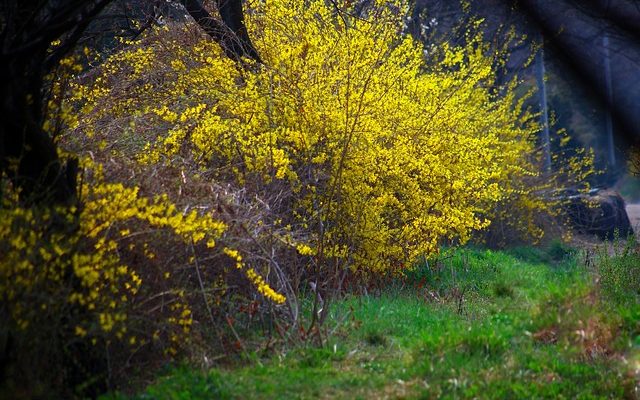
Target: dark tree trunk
column 231, row 34
column 28, row 154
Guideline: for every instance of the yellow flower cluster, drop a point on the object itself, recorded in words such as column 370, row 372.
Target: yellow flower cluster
column 384, row 155
column 257, row 280
column 390, row 157
column 53, row 260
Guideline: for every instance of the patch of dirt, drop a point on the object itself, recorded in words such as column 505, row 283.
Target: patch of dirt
column 547, row 335
column 595, row 338
column 633, row 211
column 581, row 325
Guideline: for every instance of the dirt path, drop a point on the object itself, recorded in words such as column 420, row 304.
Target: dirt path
column 633, row 211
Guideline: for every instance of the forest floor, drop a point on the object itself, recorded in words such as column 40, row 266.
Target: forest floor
column 530, row 323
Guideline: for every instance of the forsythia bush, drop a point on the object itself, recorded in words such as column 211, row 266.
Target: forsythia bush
column 345, row 150
column 91, row 275
column 379, row 156
column 81, row 265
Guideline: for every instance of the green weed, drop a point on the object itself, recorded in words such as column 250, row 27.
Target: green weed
column 620, row 272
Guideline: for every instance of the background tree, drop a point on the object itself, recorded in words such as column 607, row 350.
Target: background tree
column 574, row 61
column 28, row 154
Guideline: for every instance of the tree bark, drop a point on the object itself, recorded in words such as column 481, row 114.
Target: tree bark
column 28, row 154
column 231, row 34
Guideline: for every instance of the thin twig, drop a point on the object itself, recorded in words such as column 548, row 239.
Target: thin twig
column 204, row 295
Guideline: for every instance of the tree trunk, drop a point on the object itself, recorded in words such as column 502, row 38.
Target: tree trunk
column 611, row 153
column 28, row 154
column 231, row 34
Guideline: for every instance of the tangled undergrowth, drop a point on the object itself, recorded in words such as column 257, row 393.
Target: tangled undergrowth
column 118, row 275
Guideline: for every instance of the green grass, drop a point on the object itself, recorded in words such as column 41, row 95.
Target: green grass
column 531, row 324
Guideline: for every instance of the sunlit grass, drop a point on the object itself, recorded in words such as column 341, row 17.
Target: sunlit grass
column 530, row 324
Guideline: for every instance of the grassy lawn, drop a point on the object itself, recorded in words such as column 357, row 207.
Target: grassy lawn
column 526, row 323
